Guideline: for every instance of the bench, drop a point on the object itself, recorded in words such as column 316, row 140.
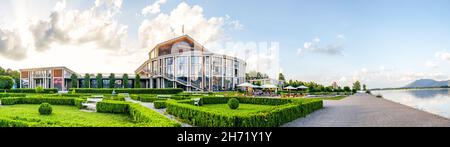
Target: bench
column 197, row 101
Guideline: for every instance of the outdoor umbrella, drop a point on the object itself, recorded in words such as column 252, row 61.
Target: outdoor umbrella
column 302, row 87
column 247, row 85
column 289, row 88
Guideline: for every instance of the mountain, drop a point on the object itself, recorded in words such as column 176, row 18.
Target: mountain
column 427, row 83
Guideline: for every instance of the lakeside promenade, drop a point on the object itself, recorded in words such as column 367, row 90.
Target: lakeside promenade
column 364, row 110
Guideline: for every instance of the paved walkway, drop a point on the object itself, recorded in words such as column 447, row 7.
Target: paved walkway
column 162, row 111
column 363, row 110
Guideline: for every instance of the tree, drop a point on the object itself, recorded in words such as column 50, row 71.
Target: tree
column 125, row 81
column 364, row 87
column 137, row 81
column 6, row 82
column 11, row 73
column 87, row 81
column 112, row 81
column 357, row 86
column 281, row 77
column 74, row 81
column 99, row 80
column 347, row 89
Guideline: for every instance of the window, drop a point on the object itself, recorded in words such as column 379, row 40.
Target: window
column 217, row 66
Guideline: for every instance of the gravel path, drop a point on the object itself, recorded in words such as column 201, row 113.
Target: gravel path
column 363, row 110
column 162, row 111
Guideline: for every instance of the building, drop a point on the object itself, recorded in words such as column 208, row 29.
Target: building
column 183, row 63
column 49, row 77
column 177, row 63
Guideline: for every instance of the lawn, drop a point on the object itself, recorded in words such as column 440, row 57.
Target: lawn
column 242, row 110
column 66, row 116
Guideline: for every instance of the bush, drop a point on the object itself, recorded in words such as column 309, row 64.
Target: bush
column 6, row 82
column 79, row 102
column 139, row 113
column 151, row 99
column 37, row 100
column 246, row 100
column 159, row 104
column 129, row 90
column 45, row 109
column 233, row 103
column 3, row 95
column 28, row 90
column 112, row 107
column 39, row 89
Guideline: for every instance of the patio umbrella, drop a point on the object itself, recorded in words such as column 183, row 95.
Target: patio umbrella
column 302, row 87
column 268, row 86
column 246, row 85
column 289, row 88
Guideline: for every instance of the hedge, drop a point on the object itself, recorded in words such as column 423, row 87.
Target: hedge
column 112, row 107
column 8, row 122
column 272, row 118
column 138, row 112
column 29, row 90
column 151, row 99
column 128, row 90
column 29, row 100
column 259, row 101
column 159, row 104
column 78, row 102
column 3, row 95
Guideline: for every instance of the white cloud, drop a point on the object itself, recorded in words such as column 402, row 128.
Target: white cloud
column 167, row 26
column 11, row 46
column 154, row 8
column 329, row 49
column 95, row 25
column 431, row 64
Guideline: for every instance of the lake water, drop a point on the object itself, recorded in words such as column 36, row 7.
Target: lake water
column 436, row 101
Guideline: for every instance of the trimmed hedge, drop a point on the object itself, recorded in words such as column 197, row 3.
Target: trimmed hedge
column 2, row 95
column 159, row 104
column 29, row 90
column 112, row 107
column 272, row 118
column 8, row 122
column 128, row 90
column 247, row 100
column 78, row 102
column 138, row 112
column 29, row 100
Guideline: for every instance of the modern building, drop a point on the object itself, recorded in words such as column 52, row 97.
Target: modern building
column 177, row 63
column 184, row 63
column 49, row 77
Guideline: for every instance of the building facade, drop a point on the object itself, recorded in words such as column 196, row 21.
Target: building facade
column 183, row 63
column 177, row 63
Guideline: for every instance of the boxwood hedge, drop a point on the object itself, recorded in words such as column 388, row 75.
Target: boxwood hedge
column 138, row 112
column 159, row 104
column 29, row 90
column 3, row 95
column 281, row 114
column 128, row 90
column 247, row 100
column 32, row 100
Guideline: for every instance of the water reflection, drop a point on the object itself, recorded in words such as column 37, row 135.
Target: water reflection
column 436, row 101
column 427, row 94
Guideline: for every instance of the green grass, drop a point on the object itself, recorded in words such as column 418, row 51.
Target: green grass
column 66, row 116
column 242, row 110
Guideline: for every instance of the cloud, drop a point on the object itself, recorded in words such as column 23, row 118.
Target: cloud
column 11, row 44
column 316, row 47
column 443, row 56
column 431, row 64
column 154, row 8
column 95, row 25
column 196, row 24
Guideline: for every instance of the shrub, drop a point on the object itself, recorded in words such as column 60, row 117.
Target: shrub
column 159, row 104
column 233, row 103
column 39, row 89
column 79, row 102
column 246, row 100
column 37, row 100
column 151, row 99
column 28, row 90
column 128, row 90
column 45, row 109
column 3, row 95
column 112, row 107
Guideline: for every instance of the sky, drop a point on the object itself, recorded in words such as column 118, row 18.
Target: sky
column 382, row 43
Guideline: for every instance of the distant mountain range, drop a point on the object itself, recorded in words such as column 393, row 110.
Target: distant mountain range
column 427, row 83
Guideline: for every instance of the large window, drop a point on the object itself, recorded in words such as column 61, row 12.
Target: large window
column 217, row 66
column 168, row 68
column 229, row 68
column 182, row 69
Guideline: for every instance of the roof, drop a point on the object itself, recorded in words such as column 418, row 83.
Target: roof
column 47, row 68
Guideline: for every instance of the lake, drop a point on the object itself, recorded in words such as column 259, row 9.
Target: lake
column 436, row 101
